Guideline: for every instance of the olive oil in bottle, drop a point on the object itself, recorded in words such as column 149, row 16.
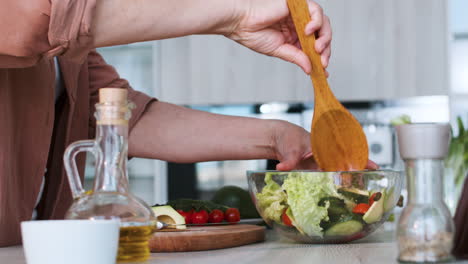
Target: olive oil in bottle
column 133, row 243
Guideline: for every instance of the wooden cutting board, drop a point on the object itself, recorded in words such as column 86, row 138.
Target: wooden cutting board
column 206, row 238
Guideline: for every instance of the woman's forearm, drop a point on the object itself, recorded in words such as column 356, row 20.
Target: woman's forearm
column 123, row 21
column 178, row 134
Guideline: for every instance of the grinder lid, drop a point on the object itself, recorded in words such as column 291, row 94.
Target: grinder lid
column 423, row 140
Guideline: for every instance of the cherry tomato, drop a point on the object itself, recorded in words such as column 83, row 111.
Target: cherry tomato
column 361, row 208
column 374, row 197
column 200, row 217
column 216, row 216
column 186, row 215
column 232, row 215
column 286, row 220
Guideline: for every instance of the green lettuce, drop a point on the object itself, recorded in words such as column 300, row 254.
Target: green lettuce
column 304, row 192
column 272, row 199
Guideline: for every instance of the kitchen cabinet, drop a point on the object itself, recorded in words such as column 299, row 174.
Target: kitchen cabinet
column 381, row 50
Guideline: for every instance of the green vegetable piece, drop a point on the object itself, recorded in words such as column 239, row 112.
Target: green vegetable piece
column 389, row 202
column 326, row 224
column 356, row 195
column 347, row 228
column 336, row 208
column 272, row 199
column 304, row 192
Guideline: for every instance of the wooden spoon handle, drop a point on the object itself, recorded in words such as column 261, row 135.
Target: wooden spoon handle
column 301, row 16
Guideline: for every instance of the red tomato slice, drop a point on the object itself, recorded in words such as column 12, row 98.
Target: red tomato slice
column 286, row 220
column 361, row 208
column 373, row 198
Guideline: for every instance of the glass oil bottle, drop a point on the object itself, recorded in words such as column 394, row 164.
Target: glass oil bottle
column 110, row 197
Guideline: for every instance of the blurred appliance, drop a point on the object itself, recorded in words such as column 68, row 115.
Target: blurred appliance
column 381, row 141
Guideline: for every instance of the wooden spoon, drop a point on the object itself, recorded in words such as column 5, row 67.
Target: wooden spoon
column 337, row 139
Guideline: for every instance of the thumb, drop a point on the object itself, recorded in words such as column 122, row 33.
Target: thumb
column 287, row 165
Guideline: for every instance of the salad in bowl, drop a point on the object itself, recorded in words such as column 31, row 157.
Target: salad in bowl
column 325, row 207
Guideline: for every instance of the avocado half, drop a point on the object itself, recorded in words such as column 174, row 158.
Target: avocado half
column 167, row 214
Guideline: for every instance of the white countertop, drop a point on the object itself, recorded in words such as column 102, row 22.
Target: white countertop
column 379, row 248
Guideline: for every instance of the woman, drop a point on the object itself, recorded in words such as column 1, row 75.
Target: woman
column 50, row 74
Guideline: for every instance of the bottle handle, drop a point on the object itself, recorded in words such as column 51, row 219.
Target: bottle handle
column 69, row 160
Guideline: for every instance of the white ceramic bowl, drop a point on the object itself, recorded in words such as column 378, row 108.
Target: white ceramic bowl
column 70, row 241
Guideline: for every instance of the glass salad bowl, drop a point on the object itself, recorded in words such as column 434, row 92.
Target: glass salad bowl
column 325, row 207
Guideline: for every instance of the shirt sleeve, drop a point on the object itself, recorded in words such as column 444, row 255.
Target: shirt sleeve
column 102, row 75
column 33, row 29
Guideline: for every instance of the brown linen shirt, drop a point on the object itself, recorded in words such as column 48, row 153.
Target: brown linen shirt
column 34, row 131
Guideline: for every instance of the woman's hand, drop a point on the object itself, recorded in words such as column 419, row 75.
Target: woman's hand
column 266, row 26
column 291, row 145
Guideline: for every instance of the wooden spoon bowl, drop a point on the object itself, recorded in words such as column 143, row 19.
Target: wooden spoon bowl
column 337, row 139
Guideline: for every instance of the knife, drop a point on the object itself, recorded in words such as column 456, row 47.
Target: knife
column 163, row 225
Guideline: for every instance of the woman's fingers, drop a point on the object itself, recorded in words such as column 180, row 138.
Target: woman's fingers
column 293, row 54
column 325, row 56
column 286, row 165
column 321, row 24
column 372, row 165
column 324, row 36
column 316, row 16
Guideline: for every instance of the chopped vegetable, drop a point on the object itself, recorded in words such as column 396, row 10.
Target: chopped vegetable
column 272, row 199
column 361, row 208
column 286, row 220
column 376, row 211
column 375, row 197
column 400, row 201
column 303, row 195
column 347, row 228
column 356, row 195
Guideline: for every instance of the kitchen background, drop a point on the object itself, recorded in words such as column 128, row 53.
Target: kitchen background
column 389, row 58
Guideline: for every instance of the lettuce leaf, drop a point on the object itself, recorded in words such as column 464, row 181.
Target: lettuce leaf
column 304, row 192
column 272, row 199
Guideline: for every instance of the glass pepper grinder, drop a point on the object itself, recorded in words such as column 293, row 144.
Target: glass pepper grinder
column 425, row 229
column 110, row 197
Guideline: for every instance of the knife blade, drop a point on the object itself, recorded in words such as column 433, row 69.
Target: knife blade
column 162, row 225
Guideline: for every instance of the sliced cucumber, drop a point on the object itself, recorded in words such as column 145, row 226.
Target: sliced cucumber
column 345, row 228
column 336, row 207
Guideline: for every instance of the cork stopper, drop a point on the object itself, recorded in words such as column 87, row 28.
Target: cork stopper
column 423, row 141
column 114, row 108
column 112, row 95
